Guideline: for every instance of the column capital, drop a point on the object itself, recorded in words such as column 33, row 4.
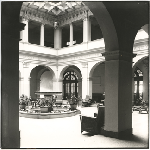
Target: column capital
column 25, row 64
column 85, row 65
column 85, row 18
column 118, row 55
column 24, row 19
column 42, row 23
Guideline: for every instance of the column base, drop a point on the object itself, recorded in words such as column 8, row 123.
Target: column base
column 119, row 135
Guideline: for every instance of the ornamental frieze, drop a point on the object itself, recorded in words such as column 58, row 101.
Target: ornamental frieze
column 81, row 57
column 25, row 57
column 47, row 18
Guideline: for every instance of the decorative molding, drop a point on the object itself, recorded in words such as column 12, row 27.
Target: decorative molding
column 80, row 57
column 118, row 55
column 47, row 18
column 39, row 58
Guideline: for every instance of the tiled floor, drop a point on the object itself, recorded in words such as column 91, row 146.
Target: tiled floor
column 65, row 133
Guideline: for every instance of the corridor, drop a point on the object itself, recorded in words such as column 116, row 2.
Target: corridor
column 66, row 133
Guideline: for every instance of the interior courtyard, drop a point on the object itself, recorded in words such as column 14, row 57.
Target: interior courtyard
column 80, row 48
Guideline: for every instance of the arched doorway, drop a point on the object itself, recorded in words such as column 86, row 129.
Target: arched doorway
column 138, row 85
column 41, row 80
column 70, row 84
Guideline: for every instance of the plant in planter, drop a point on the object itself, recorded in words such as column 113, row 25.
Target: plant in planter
column 23, row 101
column 73, row 101
column 46, row 104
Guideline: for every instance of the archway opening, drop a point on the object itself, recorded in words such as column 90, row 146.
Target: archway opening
column 41, row 81
column 138, row 86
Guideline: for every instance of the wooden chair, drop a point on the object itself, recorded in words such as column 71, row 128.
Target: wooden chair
column 93, row 124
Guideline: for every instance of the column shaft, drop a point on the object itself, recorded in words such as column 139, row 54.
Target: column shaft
column 86, row 30
column 42, row 35
column 58, row 38
column 118, row 94
column 84, row 80
column 26, row 80
column 71, row 34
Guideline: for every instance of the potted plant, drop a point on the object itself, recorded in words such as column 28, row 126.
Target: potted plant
column 23, row 101
column 46, row 104
column 73, row 101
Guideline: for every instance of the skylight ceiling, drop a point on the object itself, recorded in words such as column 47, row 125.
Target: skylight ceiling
column 56, row 8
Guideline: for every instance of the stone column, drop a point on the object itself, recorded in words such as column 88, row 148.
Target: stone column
column 90, row 87
column 58, row 87
column 146, row 83
column 84, row 80
column 24, row 33
column 118, row 94
column 10, row 30
column 26, row 79
column 86, row 30
column 21, row 88
column 42, row 35
column 71, row 34
column 57, row 38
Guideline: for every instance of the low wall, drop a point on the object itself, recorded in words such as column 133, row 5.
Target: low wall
column 48, row 115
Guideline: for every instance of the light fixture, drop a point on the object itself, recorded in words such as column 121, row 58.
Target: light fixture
column 56, row 25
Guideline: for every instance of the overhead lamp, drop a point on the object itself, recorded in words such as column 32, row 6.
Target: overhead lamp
column 56, row 24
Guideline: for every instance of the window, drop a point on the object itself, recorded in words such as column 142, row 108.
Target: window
column 70, row 84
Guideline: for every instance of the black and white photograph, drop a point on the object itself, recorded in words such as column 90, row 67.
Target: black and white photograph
column 74, row 74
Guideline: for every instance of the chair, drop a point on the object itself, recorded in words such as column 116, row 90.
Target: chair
column 93, row 124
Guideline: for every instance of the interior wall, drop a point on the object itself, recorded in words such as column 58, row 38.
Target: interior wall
column 98, row 82
column 46, row 84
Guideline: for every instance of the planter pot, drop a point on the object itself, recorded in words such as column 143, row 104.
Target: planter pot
column 22, row 106
column 44, row 109
column 73, row 107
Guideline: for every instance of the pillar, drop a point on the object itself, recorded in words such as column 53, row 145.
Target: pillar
column 26, row 79
column 71, row 34
column 58, row 87
column 86, row 29
column 84, row 80
column 24, row 33
column 21, row 87
column 146, row 83
column 42, row 35
column 10, row 30
column 57, row 38
column 118, row 94
column 90, row 87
